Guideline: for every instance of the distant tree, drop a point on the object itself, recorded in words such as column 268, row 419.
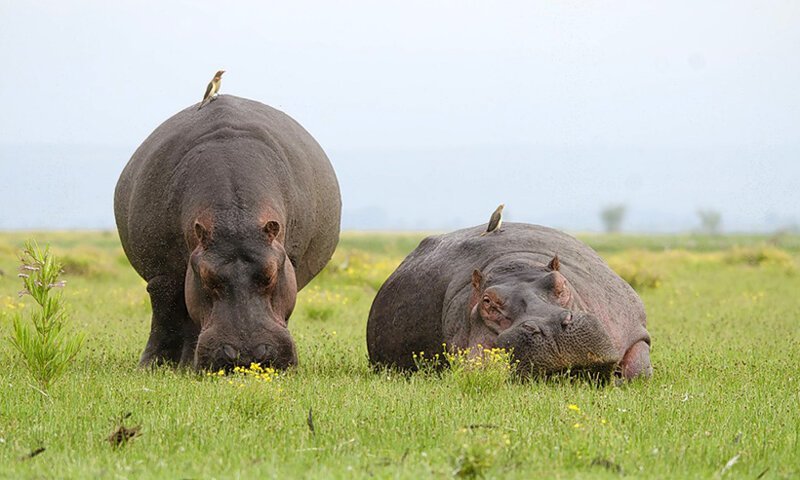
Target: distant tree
column 612, row 217
column 710, row 221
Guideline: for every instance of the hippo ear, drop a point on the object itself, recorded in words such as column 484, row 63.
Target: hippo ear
column 202, row 233
column 554, row 264
column 559, row 288
column 477, row 279
column 271, row 229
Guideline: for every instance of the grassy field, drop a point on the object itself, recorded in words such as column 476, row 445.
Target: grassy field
column 724, row 315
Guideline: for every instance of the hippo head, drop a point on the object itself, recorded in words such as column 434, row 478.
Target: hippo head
column 532, row 312
column 241, row 290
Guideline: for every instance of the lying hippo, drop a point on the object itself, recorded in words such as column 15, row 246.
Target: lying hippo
column 226, row 212
column 539, row 292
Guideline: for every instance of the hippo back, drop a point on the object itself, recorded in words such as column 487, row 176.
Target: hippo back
column 189, row 154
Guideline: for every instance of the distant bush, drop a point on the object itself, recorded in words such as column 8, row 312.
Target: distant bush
column 638, row 269
column 85, row 262
column 758, row 256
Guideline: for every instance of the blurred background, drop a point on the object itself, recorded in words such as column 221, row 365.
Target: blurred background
column 632, row 116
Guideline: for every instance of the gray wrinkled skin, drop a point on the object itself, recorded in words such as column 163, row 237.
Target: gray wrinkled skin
column 226, row 212
column 504, row 290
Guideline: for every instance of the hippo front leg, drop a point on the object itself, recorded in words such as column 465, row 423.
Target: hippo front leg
column 171, row 327
column 636, row 361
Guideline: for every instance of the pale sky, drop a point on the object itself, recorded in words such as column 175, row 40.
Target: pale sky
column 587, row 95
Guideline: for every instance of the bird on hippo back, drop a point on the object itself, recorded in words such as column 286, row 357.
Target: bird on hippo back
column 538, row 292
column 212, row 90
column 226, row 212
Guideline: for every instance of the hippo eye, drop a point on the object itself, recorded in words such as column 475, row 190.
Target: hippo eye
column 210, row 280
column 263, row 279
column 213, row 282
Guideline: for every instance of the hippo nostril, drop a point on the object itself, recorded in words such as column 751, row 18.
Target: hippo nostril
column 230, row 353
column 531, row 328
column 260, row 352
column 265, row 354
column 566, row 319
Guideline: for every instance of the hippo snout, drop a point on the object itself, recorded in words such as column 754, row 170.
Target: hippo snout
column 225, row 352
column 228, row 357
column 571, row 341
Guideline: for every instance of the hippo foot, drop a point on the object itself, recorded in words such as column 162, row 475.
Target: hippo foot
column 172, row 332
column 175, row 350
column 161, row 349
column 155, row 359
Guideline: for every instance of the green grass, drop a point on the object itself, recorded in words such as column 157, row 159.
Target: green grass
column 726, row 352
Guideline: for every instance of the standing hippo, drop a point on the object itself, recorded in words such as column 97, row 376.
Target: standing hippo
column 226, row 212
column 538, row 292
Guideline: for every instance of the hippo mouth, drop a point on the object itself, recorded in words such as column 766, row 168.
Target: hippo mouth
column 217, row 351
column 233, row 365
column 582, row 349
column 600, row 373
